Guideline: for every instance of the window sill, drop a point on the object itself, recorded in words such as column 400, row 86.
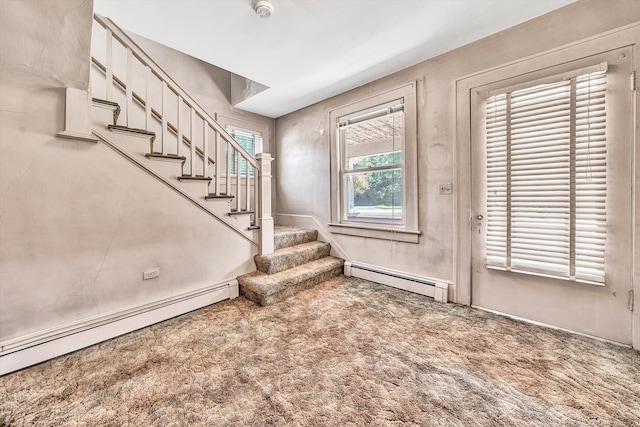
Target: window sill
column 397, row 235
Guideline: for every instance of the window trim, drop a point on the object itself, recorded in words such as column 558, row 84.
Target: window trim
column 408, row 232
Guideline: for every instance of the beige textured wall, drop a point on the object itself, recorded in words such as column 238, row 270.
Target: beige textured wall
column 79, row 223
column 45, row 44
column 303, row 138
column 209, row 85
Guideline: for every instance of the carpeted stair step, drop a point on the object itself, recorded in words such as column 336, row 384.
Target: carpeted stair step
column 266, row 289
column 292, row 256
column 289, row 236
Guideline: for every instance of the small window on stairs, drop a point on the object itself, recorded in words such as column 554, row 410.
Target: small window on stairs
column 250, row 141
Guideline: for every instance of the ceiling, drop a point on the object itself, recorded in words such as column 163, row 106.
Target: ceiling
column 310, row 50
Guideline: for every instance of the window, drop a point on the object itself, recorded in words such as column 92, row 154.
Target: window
column 250, row 141
column 372, row 165
column 546, row 177
column 253, row 137
column 374, row 189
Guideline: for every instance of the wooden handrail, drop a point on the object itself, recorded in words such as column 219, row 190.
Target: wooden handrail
column 126, row 41
column 155, row 113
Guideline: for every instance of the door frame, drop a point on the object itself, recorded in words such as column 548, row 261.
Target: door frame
column 625, row 36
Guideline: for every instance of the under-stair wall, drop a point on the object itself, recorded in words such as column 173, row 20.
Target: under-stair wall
column 79, row 223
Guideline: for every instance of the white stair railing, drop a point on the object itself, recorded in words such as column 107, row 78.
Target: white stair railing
column 153, row 101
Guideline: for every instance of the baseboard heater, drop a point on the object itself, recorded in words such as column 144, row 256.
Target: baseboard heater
column 435, row 289
column 19, row 353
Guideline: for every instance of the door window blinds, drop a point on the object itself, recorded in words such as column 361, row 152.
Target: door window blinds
column 546, row 177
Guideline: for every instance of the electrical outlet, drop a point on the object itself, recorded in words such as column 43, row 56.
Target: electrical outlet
column 150, row 274
column 445, row 189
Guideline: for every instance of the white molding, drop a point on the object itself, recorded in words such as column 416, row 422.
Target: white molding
column 21, row 352
column 361, row 230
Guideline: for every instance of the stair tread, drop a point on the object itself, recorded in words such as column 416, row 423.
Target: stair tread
column 269, row 284
column 291, row 236
column 164, row 156
column 212, row 196
column 291, row 256
column 194, row 178
column 283, row 229
column 130, row 129
column 235, row 213
column 295, row 249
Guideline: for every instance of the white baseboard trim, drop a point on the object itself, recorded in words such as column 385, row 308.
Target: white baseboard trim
column 21, row 352
column 546, row 325
column 434, row 288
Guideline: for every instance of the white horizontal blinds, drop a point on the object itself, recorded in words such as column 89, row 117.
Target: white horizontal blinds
column 546, row 179
column 591, row 181
column 250, row 141
column 540, row 172
column 497, row 181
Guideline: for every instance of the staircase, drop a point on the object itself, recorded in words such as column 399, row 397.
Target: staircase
column 139, row 111
column 143, row 114
column 299, row 262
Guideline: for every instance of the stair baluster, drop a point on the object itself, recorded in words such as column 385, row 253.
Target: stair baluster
column 165, row 113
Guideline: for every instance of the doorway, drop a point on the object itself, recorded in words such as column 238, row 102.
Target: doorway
column 536, row 154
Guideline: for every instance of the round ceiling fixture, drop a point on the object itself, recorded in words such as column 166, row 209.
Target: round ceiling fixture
column 263, row 9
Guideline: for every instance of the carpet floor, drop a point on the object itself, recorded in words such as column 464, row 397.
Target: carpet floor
column 345, row 353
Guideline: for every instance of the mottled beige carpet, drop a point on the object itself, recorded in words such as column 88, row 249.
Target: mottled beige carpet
column 347, row 352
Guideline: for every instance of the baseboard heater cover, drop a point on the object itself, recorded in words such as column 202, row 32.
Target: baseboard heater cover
column 435, row 289
column 39, row 347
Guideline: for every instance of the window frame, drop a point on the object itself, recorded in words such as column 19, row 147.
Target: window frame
column 408, row 231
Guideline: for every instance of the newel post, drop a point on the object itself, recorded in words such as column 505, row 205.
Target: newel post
column 265, row 220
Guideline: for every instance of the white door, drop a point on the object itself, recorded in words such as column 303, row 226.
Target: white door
column 534, row 273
